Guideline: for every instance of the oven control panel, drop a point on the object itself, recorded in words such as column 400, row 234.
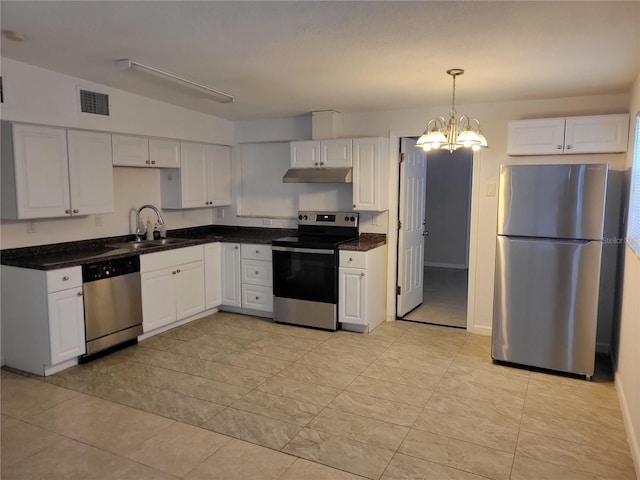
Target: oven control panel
column 337, row 219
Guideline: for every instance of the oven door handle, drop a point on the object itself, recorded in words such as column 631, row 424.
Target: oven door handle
column 321, row 251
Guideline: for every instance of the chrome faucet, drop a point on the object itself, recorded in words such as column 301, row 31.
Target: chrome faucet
column 141, row 229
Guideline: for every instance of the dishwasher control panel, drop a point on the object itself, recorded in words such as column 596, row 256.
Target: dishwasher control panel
column 110, row 268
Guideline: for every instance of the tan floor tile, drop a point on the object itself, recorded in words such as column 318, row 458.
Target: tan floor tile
column 607, row 463
column 160, row 342
column 334, row 362
column 180, row 407
column 379, row 409
column 22, row 397
column 403, row 467
column 253, row 428
column 482, row 393
column 225, row 342
column 347, row 352
column 240, row 460
column 340, row 452
column 305, row 470
column 502, row 415
column 318, row 375
column 394, row 392
column 426, row 363
column 363, row 429
column 280, row 408
column 123, row 430
column 525, row 468
column 359, row 340
column 303, row 391
column 183, row 332
column 599, row 436
column 387, row 331
column 178, row 449
column 475, row 430
column 20, row 440
column 275, row 351
column 123, row 469
column 470, row 457
column 487, row 375
column 578, row 390
column 411, row 378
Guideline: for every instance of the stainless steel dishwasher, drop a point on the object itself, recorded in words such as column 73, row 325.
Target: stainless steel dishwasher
column 112, row 304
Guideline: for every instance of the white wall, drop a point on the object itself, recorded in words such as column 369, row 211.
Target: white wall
column 627, row 351
column 36, row 95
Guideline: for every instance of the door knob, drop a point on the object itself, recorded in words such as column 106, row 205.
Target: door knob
column 425, row 233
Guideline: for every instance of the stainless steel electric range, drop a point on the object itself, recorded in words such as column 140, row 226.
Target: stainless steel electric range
column 305, row 269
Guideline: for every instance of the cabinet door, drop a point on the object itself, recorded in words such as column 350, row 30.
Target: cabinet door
column 257, row 272
column 164, row 153
column 158, row 298
column 351, row 299
column 90, row 172
column 305, row 154
column 189, row 283
column 597, row 134
column 66, row 325
column 336, row 153
column 212, row 275
column 130, row 151
column 41, row 171
column 536, row 137
column 218, row 175
column 193, row 177
column 231, row 294
column 368, row 189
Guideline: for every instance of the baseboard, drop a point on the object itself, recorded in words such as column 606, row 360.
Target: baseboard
column 632, row 437
column 458, row 266
column 480, row 330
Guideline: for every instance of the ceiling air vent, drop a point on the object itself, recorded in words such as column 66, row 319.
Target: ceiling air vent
column 94, row 102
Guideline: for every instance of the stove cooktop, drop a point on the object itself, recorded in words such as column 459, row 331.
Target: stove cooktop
column 313, row 241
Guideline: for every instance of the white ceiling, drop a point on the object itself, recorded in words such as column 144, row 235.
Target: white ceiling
column 289, row 58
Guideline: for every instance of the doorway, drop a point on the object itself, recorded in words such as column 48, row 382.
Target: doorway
column 447, row 213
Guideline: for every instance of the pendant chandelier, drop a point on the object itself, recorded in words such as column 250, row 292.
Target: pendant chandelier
column 456, row 133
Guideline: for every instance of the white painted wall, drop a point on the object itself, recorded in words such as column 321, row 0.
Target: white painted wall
column 36, row 95
column 627, row 352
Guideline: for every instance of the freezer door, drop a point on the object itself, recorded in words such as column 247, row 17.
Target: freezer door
column 554, row 201
column 546, row 303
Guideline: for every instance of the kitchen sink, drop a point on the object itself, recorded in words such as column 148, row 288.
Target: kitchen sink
column 144, row 244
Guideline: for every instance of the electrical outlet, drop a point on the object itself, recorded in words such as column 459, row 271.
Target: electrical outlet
column 31, row 227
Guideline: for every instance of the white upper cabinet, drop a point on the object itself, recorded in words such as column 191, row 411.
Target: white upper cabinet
column 130, row 151
column 370, row 174
column 90, row 172
column 553, row 136
column 321, row 153
column 164, row 153
column 51, row 172
column 203, row 180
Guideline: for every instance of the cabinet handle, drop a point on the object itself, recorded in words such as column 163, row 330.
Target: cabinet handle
column 257, row 298
column 315, row 163
column 321, row 163
column 257, row 251
column 178, row 270
column 568, row 147
column 75, row 210
column 236, row 247
column 558, row 147
column 354, row 205
column 67, row 211
column 65, row 278
column 362, row 274
column 147, row 162
column 80, row 293
column 173, row 273
column 257, row 273
column 153, row 162
column 351, row 259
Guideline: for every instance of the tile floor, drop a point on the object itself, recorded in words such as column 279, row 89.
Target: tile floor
column 235, row 397
column 444, row 298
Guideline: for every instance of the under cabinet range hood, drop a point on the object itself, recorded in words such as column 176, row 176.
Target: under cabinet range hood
column 319, row 175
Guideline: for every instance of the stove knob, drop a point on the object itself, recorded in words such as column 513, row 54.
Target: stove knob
column 353, row 219
column 305, row 217
column 346, row 219
column 299, row 217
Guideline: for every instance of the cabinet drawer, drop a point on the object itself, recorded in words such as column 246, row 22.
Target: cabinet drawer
column 257, row 272
column 63, row 279
column 170, row 258
column 349, row 258
column 257, row 298
column 255, row 251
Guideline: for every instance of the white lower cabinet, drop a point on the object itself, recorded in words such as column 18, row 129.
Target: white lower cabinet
column 247, row 276
column 42, row 318
column 173, row 286
column 361, row 289
column 212, row 275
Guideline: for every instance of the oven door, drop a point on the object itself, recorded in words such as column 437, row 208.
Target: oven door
column 305, row 274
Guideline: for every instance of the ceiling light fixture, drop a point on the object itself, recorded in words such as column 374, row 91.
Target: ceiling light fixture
column 455, row 134
column 217, row 95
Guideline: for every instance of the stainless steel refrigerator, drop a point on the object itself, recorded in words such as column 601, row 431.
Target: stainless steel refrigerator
column 548, row 257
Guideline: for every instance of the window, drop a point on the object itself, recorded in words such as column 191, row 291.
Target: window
column 633, row 230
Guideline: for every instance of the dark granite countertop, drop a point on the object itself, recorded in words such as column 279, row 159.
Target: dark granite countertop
column 71, row 254
column 367, row 241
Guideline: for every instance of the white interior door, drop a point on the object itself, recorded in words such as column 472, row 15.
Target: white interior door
column 413, row 179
